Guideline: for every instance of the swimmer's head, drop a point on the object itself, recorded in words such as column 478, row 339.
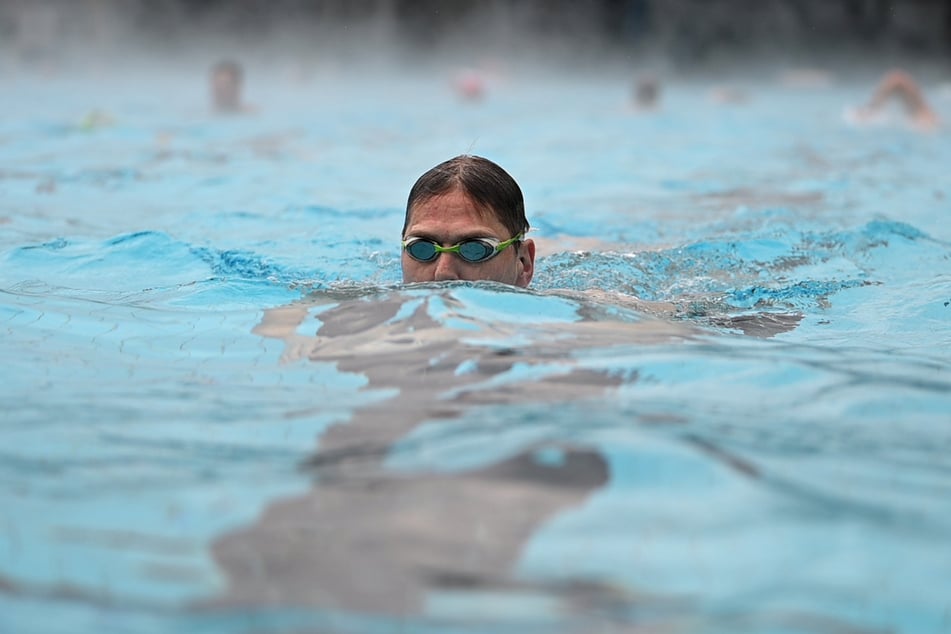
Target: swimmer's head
column 226, row 80
column 470, row 86
column 646, row 92
column 464, row 200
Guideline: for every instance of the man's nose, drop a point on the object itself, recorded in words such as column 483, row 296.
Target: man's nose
column 446, row 267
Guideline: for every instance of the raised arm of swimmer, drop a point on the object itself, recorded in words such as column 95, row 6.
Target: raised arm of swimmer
column 900, row 85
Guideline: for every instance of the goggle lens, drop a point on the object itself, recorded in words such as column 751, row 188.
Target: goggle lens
column 476, row 250
column 422, row 250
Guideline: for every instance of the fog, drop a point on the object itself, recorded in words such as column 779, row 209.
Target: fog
column 685, row 36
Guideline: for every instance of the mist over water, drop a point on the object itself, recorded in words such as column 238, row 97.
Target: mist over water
column 675, row 35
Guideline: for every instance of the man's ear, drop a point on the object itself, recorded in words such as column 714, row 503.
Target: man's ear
column 526, row 263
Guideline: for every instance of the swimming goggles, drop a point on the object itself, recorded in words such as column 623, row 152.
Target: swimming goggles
column 473, row 250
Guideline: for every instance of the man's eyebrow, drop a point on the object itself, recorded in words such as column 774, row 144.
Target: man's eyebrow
column 454, row 239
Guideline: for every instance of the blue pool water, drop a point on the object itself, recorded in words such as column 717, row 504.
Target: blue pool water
column 768, row 452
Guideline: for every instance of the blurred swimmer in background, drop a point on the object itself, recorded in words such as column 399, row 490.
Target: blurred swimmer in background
column 897, row 85
column 645, row 94
column 227, row 83
column 469, row 85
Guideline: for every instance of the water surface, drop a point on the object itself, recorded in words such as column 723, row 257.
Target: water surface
column 763, row 450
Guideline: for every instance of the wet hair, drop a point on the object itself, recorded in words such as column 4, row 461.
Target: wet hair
column 484, row 182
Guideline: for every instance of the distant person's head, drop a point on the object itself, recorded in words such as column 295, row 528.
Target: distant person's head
column 646, row 93
column 465, row 220
column 470, row 86
column 227, row 78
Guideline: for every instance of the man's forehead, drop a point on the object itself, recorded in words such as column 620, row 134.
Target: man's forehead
column 452, row 208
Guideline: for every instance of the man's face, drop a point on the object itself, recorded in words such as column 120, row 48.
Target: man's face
column 449, row 219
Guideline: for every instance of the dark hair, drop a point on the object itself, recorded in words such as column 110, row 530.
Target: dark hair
column 487, row 184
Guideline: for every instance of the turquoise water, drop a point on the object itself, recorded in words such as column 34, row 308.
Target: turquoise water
column 766, row 452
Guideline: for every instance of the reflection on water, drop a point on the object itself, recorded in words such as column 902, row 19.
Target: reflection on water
column 368, row 538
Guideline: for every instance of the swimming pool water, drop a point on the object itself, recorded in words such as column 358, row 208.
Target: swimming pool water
column 771, row 455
